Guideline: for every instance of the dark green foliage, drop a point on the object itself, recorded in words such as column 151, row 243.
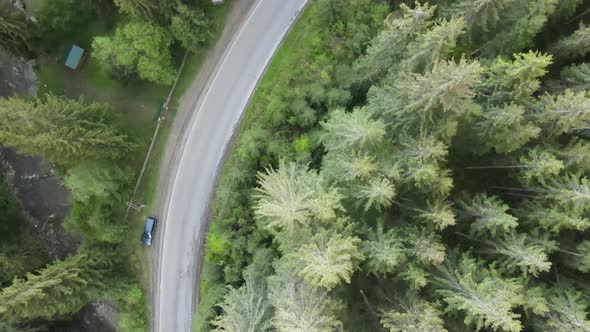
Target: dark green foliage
column 62, row 287
column 575, row 45
column 61, row 22
column 62, row 131
column 15, row 29
column 137, row 48
column 191, row 27
column 20, row 252
column 450, row 192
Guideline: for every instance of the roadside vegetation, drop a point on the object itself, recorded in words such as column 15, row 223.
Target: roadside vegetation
column 407, row 166
column 93, row 126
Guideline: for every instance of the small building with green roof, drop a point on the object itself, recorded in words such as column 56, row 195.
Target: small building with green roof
column 73, row 57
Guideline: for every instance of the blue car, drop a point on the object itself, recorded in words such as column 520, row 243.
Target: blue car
column 148, row 230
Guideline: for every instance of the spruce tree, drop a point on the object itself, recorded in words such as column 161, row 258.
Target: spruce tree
column 430, row 103
column 62, row 131
column 328, row 260
column 355, row 130
column 391, row 44
column 433, row 45
column 342, row 167
column 505, row 82
column 488, row 215
column 246, row 309
column 570, row 191
column 299, row 307
column 413, row 315
column 481, row 16
column 59, row 289
column 290, row 197
column 538, row 166
column 576, row 77
column 553, row 217
column 15, row 29
column 522, row 252
column 93, row 180
column 383, row 251
column 424, row 246
column 575, row 45
column 376, row 194
column 504, row 128
column 567, row 311
column 519, row 24
column 438, row 213
column 564, row 114
column 486, row 299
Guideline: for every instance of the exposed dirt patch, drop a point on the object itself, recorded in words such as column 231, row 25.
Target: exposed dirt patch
column 99, row 316
column 44, row 200
column 16, row 76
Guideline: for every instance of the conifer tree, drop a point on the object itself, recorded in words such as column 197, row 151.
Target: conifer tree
column 425, row 104
column 488, row 214
column 291, row 196
column 328, row 259
column 581, row 258
column 61, row 130
column 383, row 251
column 554, row 218
column 519, row 24
column 570, row 191
column 567, row 311
column 341, row 167
column 486, row 299
column 413, row 315
column 481, row 16
column 15, row 30
column 575, row 45
column 566, row 113
column 522, row 252
column 576, row 77
column 433, row 45
column 354, row 130
column 415, row 275
column 565, row 9
column 438, row 213
column 378, row 193
column 246, row 309
column 575, row 155
column 505, row 82
column 93, row 179
column 504, row 128
column 538, row 166
column 390, row 45
column 424, row 245
column 299, row 307
column 60, row 288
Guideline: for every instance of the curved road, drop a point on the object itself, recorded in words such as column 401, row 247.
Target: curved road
column 218, row 111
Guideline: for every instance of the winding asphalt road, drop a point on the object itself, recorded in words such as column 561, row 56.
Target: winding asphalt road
column 218, row 110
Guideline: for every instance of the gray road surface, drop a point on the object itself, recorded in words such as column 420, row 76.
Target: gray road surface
column 218, row 111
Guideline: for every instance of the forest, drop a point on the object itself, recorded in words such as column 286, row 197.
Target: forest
column 92, row 145
column 411, row 166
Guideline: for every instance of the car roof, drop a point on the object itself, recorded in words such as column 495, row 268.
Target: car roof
column 149, row 223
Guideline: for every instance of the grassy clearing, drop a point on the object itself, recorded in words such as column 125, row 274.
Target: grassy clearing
column 297, row 47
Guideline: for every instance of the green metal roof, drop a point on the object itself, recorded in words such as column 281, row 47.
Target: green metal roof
column 73, row 57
